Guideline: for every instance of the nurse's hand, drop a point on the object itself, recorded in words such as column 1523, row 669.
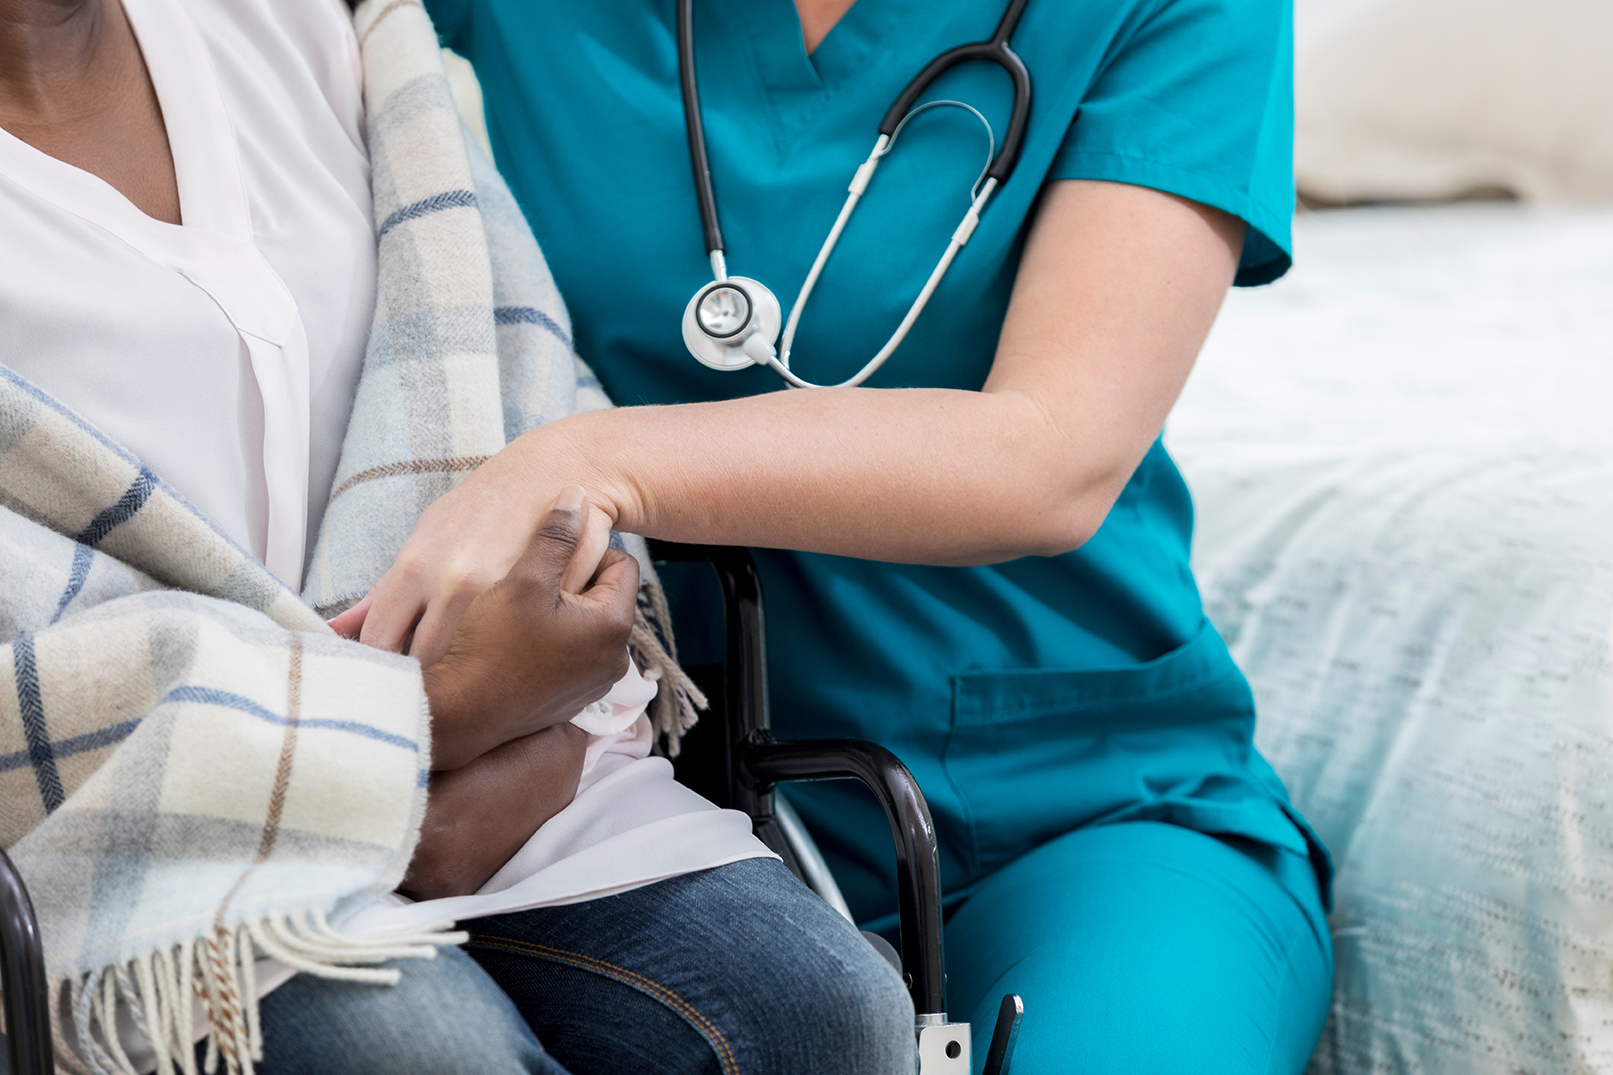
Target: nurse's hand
column 465, row 542
column 479, row 815
column 536, row 646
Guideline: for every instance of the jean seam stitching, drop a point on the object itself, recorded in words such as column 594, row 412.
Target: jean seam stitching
column 701, row 1023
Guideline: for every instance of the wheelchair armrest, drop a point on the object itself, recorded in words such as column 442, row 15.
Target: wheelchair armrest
column 753, row 762
column 22, row 977
column 764, row 762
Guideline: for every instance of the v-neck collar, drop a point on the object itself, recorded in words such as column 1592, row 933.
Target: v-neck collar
column 800, row 85
column 846, row 50
column 213, row 247
column 212, row 194
column 200, row 139
column 853, row 44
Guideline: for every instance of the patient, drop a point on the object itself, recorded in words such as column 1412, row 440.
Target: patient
column 203, row 411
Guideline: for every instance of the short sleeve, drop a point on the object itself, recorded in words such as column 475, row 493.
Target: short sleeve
column 450, row 17
column 1198, row 102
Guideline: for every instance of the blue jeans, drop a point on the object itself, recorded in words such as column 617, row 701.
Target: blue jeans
column 739, row 969
column 445, row 1017
column 736, row 969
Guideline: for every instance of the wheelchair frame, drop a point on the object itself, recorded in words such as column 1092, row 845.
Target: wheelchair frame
column 754, row 763
column 22, row 976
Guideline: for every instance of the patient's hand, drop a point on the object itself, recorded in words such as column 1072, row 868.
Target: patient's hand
column 529, row 653
column 479, row 815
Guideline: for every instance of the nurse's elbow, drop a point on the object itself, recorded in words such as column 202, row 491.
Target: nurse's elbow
column 1075, row 516
column 1065, row 532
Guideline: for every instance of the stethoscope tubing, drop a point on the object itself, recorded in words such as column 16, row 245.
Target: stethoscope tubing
column 999, row 168
column 694, row 126
column 960, row 236
column 993, row 50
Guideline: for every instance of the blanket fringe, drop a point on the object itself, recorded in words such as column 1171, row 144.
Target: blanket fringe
column 159, row 990
column 677, row 701
column 65, row 1056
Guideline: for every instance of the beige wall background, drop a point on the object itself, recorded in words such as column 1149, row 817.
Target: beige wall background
column 1438, row 99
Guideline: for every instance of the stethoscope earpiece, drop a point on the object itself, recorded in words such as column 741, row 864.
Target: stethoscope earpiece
column 722, row 323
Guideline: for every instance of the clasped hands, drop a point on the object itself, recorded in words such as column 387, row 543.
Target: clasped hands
column 527, row 654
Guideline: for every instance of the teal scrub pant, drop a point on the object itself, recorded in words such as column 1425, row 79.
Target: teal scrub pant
column 1145, row 948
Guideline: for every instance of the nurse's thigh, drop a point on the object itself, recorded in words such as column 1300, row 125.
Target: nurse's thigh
column 1146, row 948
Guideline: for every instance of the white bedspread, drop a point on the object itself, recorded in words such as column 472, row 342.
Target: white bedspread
column 1403, row 462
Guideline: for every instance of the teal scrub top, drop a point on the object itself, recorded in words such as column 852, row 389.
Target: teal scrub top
column 1028, row 697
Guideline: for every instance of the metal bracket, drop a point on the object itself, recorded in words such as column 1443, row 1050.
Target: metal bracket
column 943, row 1047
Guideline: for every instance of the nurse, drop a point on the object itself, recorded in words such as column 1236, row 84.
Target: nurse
column 979, row 557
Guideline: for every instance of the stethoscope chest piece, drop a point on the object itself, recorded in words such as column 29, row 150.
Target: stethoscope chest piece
column 724, row 315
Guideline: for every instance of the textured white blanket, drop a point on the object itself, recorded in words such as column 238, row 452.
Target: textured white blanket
column 1403, row 465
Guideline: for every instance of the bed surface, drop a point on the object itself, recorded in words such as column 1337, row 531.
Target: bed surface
column 1473, row 323
column 1402, row 458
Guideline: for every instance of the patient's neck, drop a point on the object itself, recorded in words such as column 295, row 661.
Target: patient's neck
column 47, row 48
column 74, row 85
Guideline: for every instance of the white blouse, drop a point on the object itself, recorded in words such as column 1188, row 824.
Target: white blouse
column 223, row 352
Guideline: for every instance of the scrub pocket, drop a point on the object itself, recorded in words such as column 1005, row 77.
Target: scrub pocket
column 1034, row 753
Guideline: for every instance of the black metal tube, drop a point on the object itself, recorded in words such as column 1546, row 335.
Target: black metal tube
column 754, row 763
column 918, row 868
column 995, row 50
column 694, row 126
column 745, row 707
column 22, row 976
column 1003, row 1037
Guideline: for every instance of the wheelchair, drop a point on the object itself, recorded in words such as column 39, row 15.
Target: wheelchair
column 731, row 758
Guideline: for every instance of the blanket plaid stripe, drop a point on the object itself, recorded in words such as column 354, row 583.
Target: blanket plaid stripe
column 194, row 770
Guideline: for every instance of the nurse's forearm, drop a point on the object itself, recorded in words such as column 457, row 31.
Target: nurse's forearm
column 917, row 475
column 1116, row 290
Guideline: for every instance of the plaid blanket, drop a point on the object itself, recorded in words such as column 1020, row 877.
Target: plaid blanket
column 195, row 772
column 193, row 768
column 471, row 344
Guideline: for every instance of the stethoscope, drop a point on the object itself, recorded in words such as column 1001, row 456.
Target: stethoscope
column 731, row 323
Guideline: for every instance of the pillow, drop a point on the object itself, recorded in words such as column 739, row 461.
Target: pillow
column 1435, row 99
